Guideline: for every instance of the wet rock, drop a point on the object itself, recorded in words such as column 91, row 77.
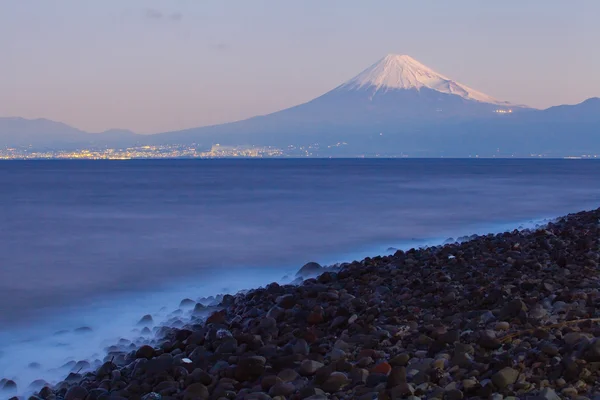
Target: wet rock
column 401, row 360
column 286, row 301
column 145, row 352
column 335, row 382
column 513, row 308
column 592, row 354
column 187, row 303
column 282, row 389
column 152, row 396
column 309, row 367
column 196, row 391
column 548, row 394
column 250, row 368
column 76, row 393
column 396, row 377
column 506, row 376
column 309, row 269
column 288, row 375
column 382, row 368
column 146, row 320
column 488, row 340
column 8, row 386
column 453, row 394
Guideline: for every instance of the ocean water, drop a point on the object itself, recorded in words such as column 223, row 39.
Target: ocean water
column 100, row 243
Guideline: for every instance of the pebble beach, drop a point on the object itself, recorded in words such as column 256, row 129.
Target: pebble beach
column 504, row 316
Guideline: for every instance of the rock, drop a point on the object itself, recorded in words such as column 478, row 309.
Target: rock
column 513, row 308
column 401, row 391
column 37, row 384
column 9, row 386
column 359, row 375
column 502, row 326
column 187, row 303
column 199, row 308
column 549, row 394
column 401, row 360
column 309, row 367
column 592, row 354
column 145, row 352
column 549, row 349
column 76, row 393
column 337, row 354
column 105, row 369
column 146, row 320
column 572, row 338
column 286, row 301
column 488, row 340
column 282, row 389
column 196, row 391
column 315, row 317
column 469, row 384
column 267, row 382
column 396, row 377
column 301, row 347
column 336, row 382
column 309, row 269
column 373, row 380
column 250, row 368
column 506, row 376
column 537, row 313
column 462, row 359
column 365, row 362
column 382, row 368
column 152, row 396
column 453, row 394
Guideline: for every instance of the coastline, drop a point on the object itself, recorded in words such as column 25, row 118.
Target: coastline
column 86, row 333
column 311, row 344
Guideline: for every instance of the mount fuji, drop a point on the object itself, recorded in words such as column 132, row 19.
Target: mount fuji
column 394, row 97
column 402, row 72
column 397, row 106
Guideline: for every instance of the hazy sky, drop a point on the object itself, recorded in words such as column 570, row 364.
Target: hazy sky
column 153, row 66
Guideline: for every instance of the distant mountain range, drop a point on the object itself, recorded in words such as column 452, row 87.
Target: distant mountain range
column 45, row 133
column 397, row 106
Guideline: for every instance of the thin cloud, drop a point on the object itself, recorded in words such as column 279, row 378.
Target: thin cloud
column 220, row 46
column 157, row 15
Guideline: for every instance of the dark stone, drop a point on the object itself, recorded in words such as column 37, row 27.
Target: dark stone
column 145, row 352
column 512, row 309
column 250, row 368
column 76, row 393
column 309, row 269
column 146, row 320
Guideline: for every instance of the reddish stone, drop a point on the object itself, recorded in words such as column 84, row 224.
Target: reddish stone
column 315, row 317
column 382, row 368
column 311, row 335
column 218, row 317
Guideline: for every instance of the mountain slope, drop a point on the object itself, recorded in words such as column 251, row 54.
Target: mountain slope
column 392, row 95
column 41, row 132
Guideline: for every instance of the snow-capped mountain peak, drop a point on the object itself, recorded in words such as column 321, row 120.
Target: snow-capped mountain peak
column 404, row 72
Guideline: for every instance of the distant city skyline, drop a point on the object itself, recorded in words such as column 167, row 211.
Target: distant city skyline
column 153, row 66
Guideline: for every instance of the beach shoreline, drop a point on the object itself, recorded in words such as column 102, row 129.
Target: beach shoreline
column 317, row 323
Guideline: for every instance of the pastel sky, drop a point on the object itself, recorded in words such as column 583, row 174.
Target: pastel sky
column 153, row 66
